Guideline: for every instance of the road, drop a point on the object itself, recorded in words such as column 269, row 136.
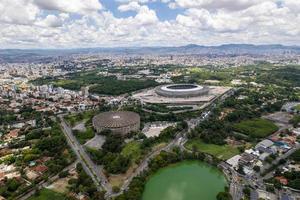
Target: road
column 45, row 183
column 96, row 172
column 144, row 164
column 93, row 170
column 276, row 161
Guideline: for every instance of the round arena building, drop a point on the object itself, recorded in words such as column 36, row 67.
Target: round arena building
column 181, row 90
column 121, row 122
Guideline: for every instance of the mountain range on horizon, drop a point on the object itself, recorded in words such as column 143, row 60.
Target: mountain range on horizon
column 10, row 55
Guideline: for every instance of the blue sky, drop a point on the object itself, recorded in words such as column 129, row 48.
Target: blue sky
column 115, row 23
column 162, row 9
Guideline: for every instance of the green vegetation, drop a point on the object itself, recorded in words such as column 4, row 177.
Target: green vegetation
column 85, row 185
column 164, row 159
column 46, row 141
column 25, row 113
column 293, row 178
column 295, row 120
column 6, row 117
column 9, row 187
column 164, row 109
column 211, row 131
column 117, row 157
column 297, row 107
column 223, row 152
column 239, row 116
column 51, row 143
column 117, row 87
column 109, row 156
column 224, row 196
column 296, row 156
column 46, row 194
column 98, row 84
column 132, row 150
column 283, row 76
column 84, row 136
column 86, row 118
column 257, row 128
column 73, row 119
column 199, row 75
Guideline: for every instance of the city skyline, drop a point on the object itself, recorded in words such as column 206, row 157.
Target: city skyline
column 136, row 23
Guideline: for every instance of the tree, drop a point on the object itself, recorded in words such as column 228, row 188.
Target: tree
column 256, row 168
column 241, row 170
column 116, row 189
column 296, row 156
column 113, row 143
column 63, row 174
column 224, row 196
column 247, row 191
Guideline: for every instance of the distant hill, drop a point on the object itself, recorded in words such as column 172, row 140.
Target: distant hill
column 15, row 55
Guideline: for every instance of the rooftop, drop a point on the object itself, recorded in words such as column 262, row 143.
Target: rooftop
column 116, row 119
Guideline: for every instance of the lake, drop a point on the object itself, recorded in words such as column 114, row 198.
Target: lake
column 188, row 180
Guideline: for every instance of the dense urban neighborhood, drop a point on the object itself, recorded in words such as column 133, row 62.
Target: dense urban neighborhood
column 95, row 127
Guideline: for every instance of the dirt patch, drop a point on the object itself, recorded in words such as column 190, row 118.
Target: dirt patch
column 61, row 185
column 225, row 112
column 118, row 180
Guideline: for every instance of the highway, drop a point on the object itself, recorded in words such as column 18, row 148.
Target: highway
column 93, row 170
column 96, row 172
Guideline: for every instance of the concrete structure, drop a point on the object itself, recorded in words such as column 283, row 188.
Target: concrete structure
column 264, row 144
column 181, row 94
column 121, row 122
column 234, row 161
column 181, row 90
column 155, row 128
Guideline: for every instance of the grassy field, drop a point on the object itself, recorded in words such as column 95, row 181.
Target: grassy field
column 132, row 150
column 83, row 137
column 257, row 128
column 297, row 107
column 223, row 152
column 73, row 119
column 46, row 194
column 84, row 117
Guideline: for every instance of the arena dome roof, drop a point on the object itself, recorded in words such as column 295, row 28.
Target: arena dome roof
column 116, row 119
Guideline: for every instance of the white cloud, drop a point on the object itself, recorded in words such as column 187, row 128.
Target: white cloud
column 139, row 1
column 146, row 16
column 51, row 23
column 17, row 11
column 216, row 4
column 70, row 6
column 293, row 5
column 132, row 6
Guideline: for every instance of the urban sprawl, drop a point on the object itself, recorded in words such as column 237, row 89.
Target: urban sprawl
column 97, row 126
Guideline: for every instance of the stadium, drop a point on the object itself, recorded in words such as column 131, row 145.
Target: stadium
column 194, row 95
column 121, row 122
column 181, row 90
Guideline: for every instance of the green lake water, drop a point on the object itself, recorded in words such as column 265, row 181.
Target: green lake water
column 185, row 181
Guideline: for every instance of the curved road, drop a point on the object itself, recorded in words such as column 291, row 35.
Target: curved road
column 96, row 172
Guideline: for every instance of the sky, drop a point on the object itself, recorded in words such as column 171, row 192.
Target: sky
column 134, row 23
